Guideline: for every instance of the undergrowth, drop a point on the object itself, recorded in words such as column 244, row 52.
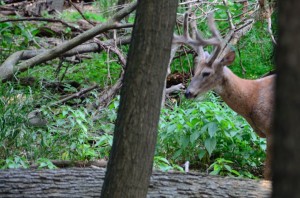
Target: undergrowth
column 206, row 133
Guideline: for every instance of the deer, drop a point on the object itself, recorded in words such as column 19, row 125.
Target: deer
column 252, row 99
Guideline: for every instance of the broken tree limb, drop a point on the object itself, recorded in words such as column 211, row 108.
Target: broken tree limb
column 87, row 182
column 175, row 88
column 7, row 68
column 112, row 23
column 84, row 48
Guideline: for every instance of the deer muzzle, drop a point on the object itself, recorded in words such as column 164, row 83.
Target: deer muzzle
column 188, row 94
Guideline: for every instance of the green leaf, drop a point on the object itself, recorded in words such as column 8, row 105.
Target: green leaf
column 210, row 145
column 177, row 154
column 161, row 159
column 235, row 172
column 215, row 172
column 171, row 128
column 228, row 167
column 212, row 129
column 184, row 141
column 201, row 154
column 195, row 136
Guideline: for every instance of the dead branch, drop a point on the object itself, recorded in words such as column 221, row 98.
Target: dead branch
column 76, row 95
column 107, row 95
column 43, row 19
column 112, row 23
column 114, row 49
column 84, row 48
column 175, row 88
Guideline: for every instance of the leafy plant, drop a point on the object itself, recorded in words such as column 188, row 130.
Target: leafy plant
column 163, row 164
column 14, row 162
column 45, row 163
column 201, row 132
column 223, row 167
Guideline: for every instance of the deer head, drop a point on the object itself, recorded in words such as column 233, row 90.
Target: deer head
column 208, row 68
column 208, row 76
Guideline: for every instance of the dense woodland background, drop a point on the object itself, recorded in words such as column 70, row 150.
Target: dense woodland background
column 60, row 110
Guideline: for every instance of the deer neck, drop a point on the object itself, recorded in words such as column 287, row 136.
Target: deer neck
column 236, row 92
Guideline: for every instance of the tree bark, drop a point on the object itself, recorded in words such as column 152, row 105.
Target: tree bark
column 287, row 112
column 87, row 182
column 132, row 153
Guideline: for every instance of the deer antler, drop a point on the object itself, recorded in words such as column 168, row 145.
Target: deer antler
column 199, row 42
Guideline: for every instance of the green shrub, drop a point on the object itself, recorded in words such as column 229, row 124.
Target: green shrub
column 202, row 132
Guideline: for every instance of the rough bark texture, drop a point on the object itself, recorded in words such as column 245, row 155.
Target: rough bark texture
column 87, row 182
column 287, row 126
column 131, row 159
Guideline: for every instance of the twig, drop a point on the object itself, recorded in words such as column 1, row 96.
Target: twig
column 175, row 88
column 241, row 62
column 107, row 95
column 42, row 19
column 110, row 47
column 269, row 21
column 82, row 15
column 75, row 95
column 229, row 15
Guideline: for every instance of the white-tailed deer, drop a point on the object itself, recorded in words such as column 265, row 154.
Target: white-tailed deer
column 253, row 99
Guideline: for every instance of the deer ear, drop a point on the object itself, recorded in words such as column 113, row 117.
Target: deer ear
column 228, row 58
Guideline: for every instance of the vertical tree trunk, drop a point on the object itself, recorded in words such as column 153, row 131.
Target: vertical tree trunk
column 286, row 164
column 131, row 159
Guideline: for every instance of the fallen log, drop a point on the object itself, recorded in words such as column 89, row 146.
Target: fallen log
column 87, row 182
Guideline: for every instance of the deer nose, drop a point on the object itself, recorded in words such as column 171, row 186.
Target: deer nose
column 188, row 94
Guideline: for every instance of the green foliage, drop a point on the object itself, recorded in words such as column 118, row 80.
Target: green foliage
column 70, row 133
column 223, row 167
column 201, row 132
column 45, row 163
column 208, row 134
column 163, row 164
column 14, row 105
column 102, row 69
column 75, row 16
column 14, row 162
column 255, row 53
column 15, row 36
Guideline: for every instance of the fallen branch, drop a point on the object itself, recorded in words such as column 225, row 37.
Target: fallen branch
column 107, row 95
column 87, row 182
column 175, row 88
column 7, row 68
column 112, row 23
column 75, row 95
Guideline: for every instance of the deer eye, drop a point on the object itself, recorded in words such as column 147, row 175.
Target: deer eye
column 205, row 74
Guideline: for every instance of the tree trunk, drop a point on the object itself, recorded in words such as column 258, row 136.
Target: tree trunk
column 87, row 182
column 131, row 159
column 287, row 112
